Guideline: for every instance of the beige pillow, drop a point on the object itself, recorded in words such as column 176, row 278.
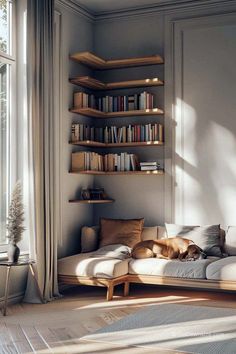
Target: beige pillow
column 161, row 233
column 89, row 238
column 149, row 233
column 120, row 231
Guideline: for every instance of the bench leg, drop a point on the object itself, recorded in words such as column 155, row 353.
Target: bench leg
column 126, row 288
column 110, row 290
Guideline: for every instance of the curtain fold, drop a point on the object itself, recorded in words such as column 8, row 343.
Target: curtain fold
column 40, row 101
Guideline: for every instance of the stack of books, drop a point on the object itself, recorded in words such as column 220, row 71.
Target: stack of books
column 113, row 134
column 108, row 104
column 149, row 166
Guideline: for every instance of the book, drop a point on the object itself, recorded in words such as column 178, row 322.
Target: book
column 150, row 163
column 149, row 168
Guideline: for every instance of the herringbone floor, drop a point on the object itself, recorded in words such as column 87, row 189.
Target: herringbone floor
column 57, row 327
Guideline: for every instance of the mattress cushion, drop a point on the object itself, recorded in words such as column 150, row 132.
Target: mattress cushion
column 170, row 268
column 223, row 269
column 87, row 265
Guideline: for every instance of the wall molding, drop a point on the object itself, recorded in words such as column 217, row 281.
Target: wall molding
column 73, row 6
column 174, row 29
column 160, row 7
column 167, row 6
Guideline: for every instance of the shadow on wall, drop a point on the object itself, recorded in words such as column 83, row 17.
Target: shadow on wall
column 205, row 167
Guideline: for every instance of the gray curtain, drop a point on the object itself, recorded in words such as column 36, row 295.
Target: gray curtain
column 40, row 101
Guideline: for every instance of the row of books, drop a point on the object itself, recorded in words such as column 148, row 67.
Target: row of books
column 113, row 134
column 114, row 103
column 84, row 160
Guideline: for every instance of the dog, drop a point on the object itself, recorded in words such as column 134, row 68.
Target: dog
column 169, row 248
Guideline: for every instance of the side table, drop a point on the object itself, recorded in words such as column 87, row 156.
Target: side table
column 9, row 265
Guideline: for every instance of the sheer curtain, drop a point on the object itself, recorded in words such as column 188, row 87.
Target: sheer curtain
column 41, row 148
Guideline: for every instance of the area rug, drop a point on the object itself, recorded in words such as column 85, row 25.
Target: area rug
column 191, row 329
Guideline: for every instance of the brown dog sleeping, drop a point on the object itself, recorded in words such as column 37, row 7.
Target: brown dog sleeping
column 168, row 248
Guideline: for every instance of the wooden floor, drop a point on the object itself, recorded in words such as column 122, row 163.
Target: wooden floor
column 57, row 327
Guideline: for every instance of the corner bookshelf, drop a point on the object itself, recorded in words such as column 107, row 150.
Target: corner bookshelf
column 99, row 86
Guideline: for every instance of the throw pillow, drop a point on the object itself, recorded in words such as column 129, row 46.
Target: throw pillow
column 206, row 237
column 149, row 233
column 89, row 238
column 230, row 241
column 120, row 231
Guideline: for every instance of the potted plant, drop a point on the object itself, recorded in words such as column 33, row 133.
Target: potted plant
column 15, row 223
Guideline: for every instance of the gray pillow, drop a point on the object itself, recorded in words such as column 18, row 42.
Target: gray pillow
column 230, row 241
column 206, row 237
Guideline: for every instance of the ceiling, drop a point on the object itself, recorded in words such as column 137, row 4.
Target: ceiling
column 97, row 7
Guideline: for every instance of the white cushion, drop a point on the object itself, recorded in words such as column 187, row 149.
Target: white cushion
column 170, row 268
column 84, row 265
column 223, row 269
column 230, row 241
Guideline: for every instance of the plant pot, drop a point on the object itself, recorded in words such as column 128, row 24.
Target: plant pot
column 13, row 253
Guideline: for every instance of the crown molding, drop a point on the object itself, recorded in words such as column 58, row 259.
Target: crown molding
column 159, row 7
column 73, row 6
column 163, row 6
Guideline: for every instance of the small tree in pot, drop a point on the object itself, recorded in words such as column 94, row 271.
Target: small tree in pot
column 15, row 223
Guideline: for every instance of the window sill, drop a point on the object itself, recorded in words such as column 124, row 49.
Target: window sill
column 3, row 255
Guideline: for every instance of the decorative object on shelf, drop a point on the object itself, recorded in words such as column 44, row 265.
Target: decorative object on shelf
column 15, row 223
column 85, row 194
column 92, row 196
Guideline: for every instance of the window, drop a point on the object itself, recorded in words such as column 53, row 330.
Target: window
column 7, row 102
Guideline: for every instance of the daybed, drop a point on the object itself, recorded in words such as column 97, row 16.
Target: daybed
column 110, row 266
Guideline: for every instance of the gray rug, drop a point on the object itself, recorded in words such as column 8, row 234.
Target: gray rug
column 191, row 329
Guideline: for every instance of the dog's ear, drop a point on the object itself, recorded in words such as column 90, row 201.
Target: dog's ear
column 182, row 256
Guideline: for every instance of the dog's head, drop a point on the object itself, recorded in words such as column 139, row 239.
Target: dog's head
column 195, row 252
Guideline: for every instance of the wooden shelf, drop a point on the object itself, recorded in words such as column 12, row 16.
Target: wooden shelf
column 91, row 143
column 91, row 83
column 92, row 201
column 90, row 112
column 117, row 173
column 96, row 62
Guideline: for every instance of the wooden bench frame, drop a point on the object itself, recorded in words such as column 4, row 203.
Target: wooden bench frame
column 203, row 284
column 108, row 283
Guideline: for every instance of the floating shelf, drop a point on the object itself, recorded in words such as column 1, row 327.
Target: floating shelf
column 92, row 201
column 96, row 62
column 90, row 112
column 113, row 173
column 91, row 143
column 91, row 83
